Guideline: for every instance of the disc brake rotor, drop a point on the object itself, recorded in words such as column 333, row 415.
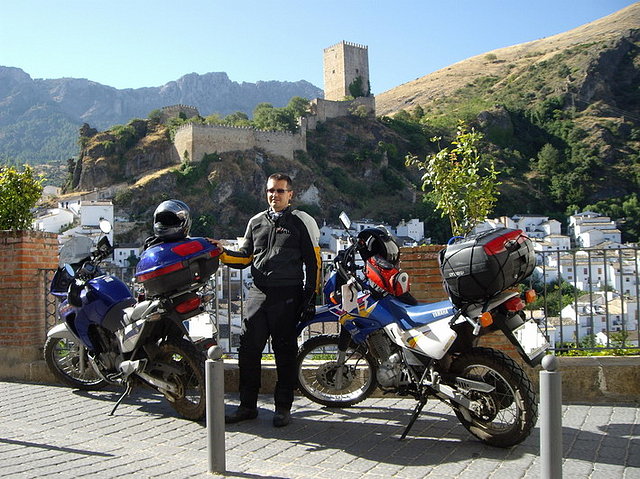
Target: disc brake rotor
column 327, row 375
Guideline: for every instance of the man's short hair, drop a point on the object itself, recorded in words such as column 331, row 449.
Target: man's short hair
column 281, row 176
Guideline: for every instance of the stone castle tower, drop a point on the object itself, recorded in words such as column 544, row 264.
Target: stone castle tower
column 343, row 63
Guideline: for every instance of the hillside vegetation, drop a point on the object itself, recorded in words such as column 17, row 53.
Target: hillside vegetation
column 560, row 117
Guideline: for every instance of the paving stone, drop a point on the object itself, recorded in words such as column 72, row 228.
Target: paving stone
column 54, row 431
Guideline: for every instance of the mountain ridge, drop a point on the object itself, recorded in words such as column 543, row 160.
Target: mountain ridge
column 28, row 105
column 453, row 77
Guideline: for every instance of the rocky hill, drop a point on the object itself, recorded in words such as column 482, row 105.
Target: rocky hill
column 353, row 164
column 39, row 118
column 560, row 116
column 506, row 65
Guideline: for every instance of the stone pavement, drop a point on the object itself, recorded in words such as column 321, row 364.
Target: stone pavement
column 53, row 431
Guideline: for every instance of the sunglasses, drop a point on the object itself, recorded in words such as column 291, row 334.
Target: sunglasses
column 280, row 191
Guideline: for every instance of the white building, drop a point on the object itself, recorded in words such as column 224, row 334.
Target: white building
column 90, row 213
column 598, row 312
column 536, row 226
column 413, row 229
column 54, row 220
column 597, row 236
column 593, row 270
column 590, row 229
column 123, row 252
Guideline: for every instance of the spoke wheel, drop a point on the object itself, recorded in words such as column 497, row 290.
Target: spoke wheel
column 323, row 380
column 185, row 370
column 69, row 363
column 505, row 416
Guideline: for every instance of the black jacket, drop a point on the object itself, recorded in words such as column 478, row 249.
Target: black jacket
column 278, row 249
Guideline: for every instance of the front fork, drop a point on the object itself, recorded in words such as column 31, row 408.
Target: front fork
column 343, row 345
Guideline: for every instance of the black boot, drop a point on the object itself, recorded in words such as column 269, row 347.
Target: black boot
column 241, row 414
column 281, row 418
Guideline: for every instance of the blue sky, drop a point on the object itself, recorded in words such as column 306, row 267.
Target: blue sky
column 135, row 43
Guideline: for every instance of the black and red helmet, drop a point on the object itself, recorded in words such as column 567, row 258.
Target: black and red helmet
column 378, row 242
column 172, row 220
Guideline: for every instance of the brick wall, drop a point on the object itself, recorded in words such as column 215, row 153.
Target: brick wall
column 421, row 262
column 23, row 256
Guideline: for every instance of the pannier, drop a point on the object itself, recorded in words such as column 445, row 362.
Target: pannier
column 482, row 265
column 178, row 266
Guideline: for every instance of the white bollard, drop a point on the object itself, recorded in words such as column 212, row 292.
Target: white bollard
column 550, row 419
column 214, row 375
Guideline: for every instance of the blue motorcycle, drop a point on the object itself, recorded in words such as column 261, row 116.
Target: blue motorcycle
column 384, row 339
column 109, row 337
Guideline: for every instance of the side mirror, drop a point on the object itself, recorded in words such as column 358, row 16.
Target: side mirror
column 105, row 226
column 346, row 222
column 69, row 270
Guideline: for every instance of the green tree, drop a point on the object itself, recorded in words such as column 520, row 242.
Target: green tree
column 298, row 106
column 19, row 192
column 548, row 161
column 463, row 184
column 238, row 118
column 266, row 117
column 357, row 88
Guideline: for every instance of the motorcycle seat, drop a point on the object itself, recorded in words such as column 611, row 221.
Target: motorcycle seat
column 139, row 310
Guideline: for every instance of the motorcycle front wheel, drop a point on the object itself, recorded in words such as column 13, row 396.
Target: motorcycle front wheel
column 323, row 380
column 180, row 363
column 507, row 414
column 69, row 363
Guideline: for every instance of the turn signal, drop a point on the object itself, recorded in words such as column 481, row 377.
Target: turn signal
column 486, row 319
column 530, row 296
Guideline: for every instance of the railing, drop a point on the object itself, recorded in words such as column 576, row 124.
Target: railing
column 589, row 299
column 592, row 302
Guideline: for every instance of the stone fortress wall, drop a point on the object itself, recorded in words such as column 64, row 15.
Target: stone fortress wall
column 175, row 110
column 346, row 62
column 193, row 141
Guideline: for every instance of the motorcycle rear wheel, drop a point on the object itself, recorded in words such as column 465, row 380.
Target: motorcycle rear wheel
column 64, row 357
column 317, row 373
column 510, row 411
column 190, row 401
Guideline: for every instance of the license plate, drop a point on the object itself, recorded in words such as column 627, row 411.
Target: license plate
column 531, row 339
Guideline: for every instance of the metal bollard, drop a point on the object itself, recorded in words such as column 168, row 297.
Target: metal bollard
column 550, row 419
column 214, row 376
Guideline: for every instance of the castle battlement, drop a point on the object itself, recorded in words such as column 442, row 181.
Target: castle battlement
column 231, row 127
column 172, row 111
column 350, row 44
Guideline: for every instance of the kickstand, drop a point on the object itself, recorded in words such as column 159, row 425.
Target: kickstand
column 124, row 395
column 416, row 413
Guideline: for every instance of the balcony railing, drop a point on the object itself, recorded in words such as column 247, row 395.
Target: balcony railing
column 599, row 305
column 590, row 298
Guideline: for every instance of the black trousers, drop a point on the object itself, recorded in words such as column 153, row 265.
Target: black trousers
column 270, row 312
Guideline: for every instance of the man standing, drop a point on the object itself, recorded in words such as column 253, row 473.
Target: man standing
column 281, row 245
